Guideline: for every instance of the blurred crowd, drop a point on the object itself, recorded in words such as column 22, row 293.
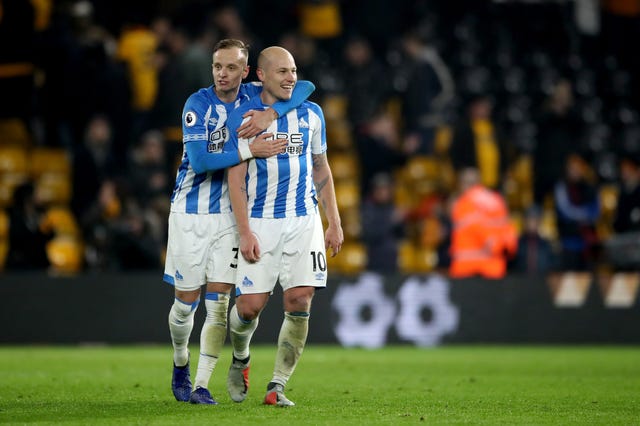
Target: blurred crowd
column 501, row 134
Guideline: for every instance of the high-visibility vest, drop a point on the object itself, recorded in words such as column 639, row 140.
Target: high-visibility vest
column 481, row 236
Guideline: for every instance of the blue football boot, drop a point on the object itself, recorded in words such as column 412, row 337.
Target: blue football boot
column 181, row 383
column 202, row 396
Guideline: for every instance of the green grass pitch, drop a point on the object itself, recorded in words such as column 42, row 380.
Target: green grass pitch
column 508, row 385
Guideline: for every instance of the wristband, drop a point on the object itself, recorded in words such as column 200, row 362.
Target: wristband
column 244, row 151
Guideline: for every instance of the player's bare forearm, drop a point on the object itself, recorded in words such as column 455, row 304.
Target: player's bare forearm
column 264, row 145
column 323, row 180
column 238, row 195
column 249, row 247
column 257, row 122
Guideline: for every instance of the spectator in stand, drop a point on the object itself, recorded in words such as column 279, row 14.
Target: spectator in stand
column 364, row 88
column 28, row 232
column 185, row 67
column 558, row 130
column 93, row 163
column 482, row 237
column 378, row 144
column 149, row 179
column 627, row 216
column 116, row 232
column 535, row 256
column 622, row 249
column 82, row 78
column 149, row 171
column 478, row 143
column 382, row 225
column 427, row 92
column 577, row 210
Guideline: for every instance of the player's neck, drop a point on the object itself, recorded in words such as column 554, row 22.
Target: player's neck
column 267, row 98
column 226, row 96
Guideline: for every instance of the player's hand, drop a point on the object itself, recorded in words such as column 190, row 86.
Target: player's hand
column 333, row 238
column 265, row 146
column 258, row 122
column 249, row 247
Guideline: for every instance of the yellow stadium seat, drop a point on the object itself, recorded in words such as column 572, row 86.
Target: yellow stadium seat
column 415, row 260
column 13, row 132
column 608, row 200
column 348, row 195
column 351, row 224
column 334, row 107
column 443, row 137
column 422, row 167
column 49, row 160
column 548, row 226
column 425, row 260
column 65, row 255
column 8, row 184
column 13, row 160
column 4, row 224
column 339, row 135
column 406, row 255
column 62, row 221
column 344, row 166
column 53, row 188
column 4, row 250
column 352, row 258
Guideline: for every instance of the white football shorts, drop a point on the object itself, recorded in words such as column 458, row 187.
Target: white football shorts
column 291, row 252
column 201, row 248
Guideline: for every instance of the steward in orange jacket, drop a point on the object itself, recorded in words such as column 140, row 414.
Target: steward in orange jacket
column 482, row 234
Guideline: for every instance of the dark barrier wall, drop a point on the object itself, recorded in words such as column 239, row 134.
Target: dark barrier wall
column 368, row 310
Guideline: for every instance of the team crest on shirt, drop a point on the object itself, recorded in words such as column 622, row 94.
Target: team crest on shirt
column 190, row 119
column 302, row 123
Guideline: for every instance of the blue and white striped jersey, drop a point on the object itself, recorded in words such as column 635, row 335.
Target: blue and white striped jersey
column 205, row 133
column 282, row 185
column 204, row 119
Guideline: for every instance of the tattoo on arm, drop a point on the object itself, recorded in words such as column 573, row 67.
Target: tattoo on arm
column 320, row 185
column 319, row 160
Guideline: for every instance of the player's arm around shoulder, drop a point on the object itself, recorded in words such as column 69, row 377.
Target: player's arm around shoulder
column 323, row 180
column 260, row 146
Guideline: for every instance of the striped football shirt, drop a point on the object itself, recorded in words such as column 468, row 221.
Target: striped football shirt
column 282, row 185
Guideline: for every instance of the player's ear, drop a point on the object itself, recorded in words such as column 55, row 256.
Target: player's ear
column 245, row 72
column 260, row 74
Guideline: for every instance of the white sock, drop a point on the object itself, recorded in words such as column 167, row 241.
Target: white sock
column 291, row 341
column 212, row 336
column 180, row 326
column 241, row 333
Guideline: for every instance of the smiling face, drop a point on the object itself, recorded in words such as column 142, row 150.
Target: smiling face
column 229, row 69
column 278, row 73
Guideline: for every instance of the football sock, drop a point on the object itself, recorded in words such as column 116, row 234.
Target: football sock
column 212, row 336
column 291, row 341
column 241, row 332
column 180, row 326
